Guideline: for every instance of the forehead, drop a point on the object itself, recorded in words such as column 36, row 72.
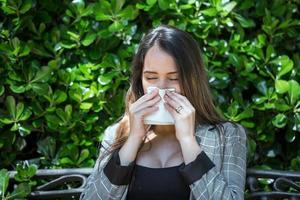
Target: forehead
column 159, row 61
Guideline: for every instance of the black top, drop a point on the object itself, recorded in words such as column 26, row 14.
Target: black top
column 167, row 183
column 157, row 184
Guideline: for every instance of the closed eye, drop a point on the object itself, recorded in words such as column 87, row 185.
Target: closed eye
column 171, row 79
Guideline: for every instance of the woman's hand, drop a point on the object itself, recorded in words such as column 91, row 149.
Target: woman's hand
column 137, row 112
column 183, row 113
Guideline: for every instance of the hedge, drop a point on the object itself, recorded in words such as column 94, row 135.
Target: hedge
column 65, row 68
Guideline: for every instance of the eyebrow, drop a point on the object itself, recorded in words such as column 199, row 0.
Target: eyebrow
column 152, row 72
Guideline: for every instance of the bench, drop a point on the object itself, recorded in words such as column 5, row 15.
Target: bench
column 281, row 184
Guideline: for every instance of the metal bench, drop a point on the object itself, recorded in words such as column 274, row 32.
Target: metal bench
column 282, row 184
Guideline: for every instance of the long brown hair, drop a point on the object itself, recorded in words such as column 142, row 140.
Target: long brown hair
column 192, row 76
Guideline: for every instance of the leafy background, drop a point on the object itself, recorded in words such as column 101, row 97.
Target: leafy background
column 65, row 65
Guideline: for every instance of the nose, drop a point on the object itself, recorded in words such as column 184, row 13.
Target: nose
column 162, row 84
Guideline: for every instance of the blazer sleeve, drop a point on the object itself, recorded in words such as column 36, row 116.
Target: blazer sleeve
column 98, row 184
column 227, row 181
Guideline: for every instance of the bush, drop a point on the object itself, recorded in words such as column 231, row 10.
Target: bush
column 65, row 68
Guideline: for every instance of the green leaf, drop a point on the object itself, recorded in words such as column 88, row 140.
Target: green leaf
column 4, row 179
column 248, row 113
column 296, row 126
column 229, row 6
column 26, row 5
column 117, row 5
column 73, row 36
column 31, row 170
column 17, row 88
column 294, row 91
column 102, row 17
column 5, row 120
column 247, row 124
column 68, row 110
column 62, row 115
column 232, row 110
column 210, row 12
column 9, row 9
column 143, row 6
column 11, row 106
column 2, row 89
column 20, row 144
column 66, row 161
column 284, row 65
column 21, row 191
column 282, row 86
column 59, row 96
column 40, row 88
column 75, row 95
column 129, row 13
column 151, row 2
column 262, row 87
column 104, row 79
column 19, row 110
column 47, row 147
column 54, row 64
column 246, row 23
column 83, row 155
column 23, row 131
column 279, row 120
column 25, row 114
column 86, row 105
column 89, row 39
column 282, row 107
column 270, row 52
column 42, row 75
column 164, row 4
column 102, row 11
column 68, row 44
column 116, row 26
column 25, row 172
column 25, row 51
column 295, row 164
column 52, row 119
column 290, row 136
column 251, row 147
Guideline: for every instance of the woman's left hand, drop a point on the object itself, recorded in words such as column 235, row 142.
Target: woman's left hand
column 183, row 113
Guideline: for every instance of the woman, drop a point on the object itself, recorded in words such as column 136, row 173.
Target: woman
column 199, row 157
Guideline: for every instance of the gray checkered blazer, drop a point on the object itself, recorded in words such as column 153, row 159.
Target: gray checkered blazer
column 225, row 180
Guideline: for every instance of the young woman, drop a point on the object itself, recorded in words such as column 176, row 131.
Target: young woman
column 199, row 157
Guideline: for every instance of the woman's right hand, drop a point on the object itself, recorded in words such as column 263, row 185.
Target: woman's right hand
column 138, row 110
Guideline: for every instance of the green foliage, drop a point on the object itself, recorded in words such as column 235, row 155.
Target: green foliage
column 65, row 69
column 23, row 179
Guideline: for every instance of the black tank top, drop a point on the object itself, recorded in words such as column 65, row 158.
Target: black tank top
column 157, row 184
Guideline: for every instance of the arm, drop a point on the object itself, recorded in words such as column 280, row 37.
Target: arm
column 216, row 180
column 99, row 185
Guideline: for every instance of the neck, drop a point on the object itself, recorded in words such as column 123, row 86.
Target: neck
column 165, row 131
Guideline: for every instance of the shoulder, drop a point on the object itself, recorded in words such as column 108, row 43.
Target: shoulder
column 229, row 130
column 110, row 133
column 232, row 129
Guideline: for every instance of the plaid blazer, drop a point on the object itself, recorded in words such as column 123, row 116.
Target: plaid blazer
column 225, row 180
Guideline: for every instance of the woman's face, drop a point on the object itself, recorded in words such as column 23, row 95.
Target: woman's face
column 160, row 70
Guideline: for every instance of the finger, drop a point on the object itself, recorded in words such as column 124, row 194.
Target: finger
column 171, row 102
column 147, row 97
column 181, row 100
column 170, row 109
column 150, row 95
column 148, row 111
column 149, row 103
